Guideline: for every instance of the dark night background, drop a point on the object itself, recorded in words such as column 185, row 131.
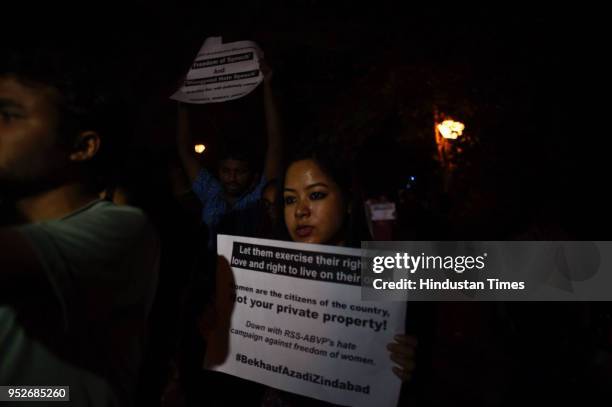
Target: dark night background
column 368, row 76
column 524, row 80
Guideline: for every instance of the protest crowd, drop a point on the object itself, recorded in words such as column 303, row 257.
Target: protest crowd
column 114, row 278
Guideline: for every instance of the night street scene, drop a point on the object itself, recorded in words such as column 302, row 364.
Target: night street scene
column 196, row 200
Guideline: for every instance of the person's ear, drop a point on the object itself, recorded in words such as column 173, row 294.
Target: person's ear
column 86, row 147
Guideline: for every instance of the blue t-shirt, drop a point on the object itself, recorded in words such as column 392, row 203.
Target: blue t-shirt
column 214, row 206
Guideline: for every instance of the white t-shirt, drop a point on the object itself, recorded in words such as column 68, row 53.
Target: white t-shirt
column 102, row 261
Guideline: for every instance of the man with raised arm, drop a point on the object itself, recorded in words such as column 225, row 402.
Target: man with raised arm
column 237, row 186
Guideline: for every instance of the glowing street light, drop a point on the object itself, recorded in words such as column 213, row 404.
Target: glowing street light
column 446, row 130
column 199, row 148
column 451, row 129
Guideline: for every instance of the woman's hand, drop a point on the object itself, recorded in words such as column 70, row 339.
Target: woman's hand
column 403, row 353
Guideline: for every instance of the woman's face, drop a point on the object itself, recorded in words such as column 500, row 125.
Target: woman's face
column 314, row 207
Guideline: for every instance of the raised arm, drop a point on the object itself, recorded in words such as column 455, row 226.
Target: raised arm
column 184, row 143
column 274, row 152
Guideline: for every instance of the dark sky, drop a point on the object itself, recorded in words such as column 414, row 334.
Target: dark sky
column 508, row 70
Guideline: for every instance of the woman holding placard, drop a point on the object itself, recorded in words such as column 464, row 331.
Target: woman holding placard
column 318, row 209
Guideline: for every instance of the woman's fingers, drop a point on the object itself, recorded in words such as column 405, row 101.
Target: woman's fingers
column 402, row 353
column 402, row 361
column 401, row 349
column 402, row 374
column 406, row 340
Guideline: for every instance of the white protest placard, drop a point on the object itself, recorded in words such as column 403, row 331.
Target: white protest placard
column 221, row 72
column 382, row 211
column 298, row 323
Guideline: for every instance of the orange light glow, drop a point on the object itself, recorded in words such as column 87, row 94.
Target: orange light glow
column 451, row 129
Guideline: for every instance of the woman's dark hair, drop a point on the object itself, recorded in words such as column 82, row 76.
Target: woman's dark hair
column 338, row 168
column 274, row 182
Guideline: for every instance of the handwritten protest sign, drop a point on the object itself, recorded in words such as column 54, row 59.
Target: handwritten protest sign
column 298, row 323
column 221, row 72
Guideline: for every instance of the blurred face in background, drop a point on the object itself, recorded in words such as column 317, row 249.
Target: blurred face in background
column 30, row 154
column 314, row 206
column 235, row 176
